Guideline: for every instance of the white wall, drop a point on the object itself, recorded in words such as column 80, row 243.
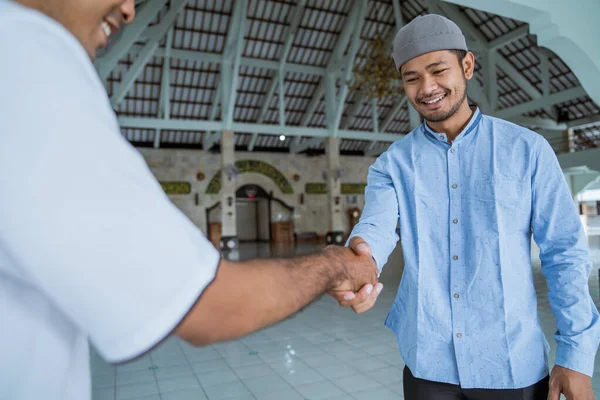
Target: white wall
column 589, row 196
column 263, row 220
column 312, row 216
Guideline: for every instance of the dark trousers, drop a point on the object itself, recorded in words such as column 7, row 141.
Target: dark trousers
column 420, row 389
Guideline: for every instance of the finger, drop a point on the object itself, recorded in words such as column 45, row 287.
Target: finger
column 360, row 297
column 341, row 296
column 554, row 392
column 360, row 246
column 370, row 302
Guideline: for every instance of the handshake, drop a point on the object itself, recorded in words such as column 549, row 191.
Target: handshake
column 356, row 282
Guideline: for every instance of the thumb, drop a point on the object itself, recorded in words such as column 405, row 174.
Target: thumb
column 359, row 246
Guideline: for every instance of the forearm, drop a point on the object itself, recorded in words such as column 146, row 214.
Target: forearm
column 577, row 322
column 248, row 296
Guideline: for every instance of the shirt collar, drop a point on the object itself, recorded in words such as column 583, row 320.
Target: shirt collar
column 475, row 118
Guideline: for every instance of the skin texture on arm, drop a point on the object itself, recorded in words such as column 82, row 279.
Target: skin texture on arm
column 247, row 296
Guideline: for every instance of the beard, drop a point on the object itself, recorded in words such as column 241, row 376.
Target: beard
column 441, row 115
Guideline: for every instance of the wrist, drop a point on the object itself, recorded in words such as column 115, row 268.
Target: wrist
column 331, row 268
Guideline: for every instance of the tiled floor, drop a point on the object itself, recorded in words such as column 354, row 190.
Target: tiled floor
column 323, row 352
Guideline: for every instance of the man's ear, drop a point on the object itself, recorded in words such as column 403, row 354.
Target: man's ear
column 468, row 65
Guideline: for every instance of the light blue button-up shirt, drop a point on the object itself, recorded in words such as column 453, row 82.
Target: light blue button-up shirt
column 466, row 311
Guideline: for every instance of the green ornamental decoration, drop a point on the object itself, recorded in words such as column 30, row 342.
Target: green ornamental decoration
column 315, row 188
column 353, row 188
column 176, row 187
column 347, row 188
column 258, row 167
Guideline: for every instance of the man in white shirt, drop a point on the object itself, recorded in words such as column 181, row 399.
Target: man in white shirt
column 91, row 249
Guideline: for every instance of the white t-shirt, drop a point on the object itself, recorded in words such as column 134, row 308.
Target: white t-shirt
column 91, row 249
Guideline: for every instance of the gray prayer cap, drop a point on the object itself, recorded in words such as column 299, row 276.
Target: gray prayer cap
column 425, row 34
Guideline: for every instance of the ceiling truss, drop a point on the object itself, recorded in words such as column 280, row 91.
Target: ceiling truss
column 141, row 41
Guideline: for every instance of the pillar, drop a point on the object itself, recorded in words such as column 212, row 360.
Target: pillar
column 584, row 217
column 569, row 141
column 335, row 235
column 229, row 240
column 576, row 188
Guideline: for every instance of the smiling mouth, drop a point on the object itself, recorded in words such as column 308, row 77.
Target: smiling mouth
column 106, row 28
column 434, row 101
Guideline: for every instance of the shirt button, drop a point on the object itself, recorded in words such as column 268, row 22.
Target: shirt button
column 455, row 221
column 459, row 335
column 455, row 258
column 454, row 186
column 456, row 296
column 452, row 151
column 441, row 137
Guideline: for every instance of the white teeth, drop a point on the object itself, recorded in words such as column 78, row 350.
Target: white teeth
column 435, row 100
column 106, row 28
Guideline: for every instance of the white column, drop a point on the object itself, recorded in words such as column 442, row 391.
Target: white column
column 335, row 235
column 229, row 240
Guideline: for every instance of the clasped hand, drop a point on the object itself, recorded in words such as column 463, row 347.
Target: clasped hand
column 360, row 289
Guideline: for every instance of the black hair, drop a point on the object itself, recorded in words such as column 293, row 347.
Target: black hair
column 460, row 54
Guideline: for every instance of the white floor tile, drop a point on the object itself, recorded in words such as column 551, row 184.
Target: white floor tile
column 132, row 377
column 319, row 390
column 103, row 381
column 380, row 349
column 280, row 395
column 321, row 360
column 243, row 360
column 303, row 377
column 253, row 371
column 217, row 378
column 103, row 394
column 267, row 384
column 174, row 372
column 199, row 355
column 177, row 384
column 137, row 365
column 397, row 387
column 368, row 364
column 356, row 383
column 128, row 392
column 336, row 371
column 387, row 375
column 228, row 391
column 380, row 393
column 210, row 366
column 322, row 343
column 189, row 394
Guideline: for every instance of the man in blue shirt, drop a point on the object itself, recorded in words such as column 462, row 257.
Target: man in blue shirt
column 468, row 191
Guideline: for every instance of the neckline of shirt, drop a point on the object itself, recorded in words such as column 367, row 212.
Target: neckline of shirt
column 473, row 123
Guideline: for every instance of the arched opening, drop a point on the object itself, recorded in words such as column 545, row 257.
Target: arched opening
column 260, row 217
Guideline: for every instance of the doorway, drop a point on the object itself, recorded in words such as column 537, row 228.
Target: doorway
column 260, row 217
column 252, row 214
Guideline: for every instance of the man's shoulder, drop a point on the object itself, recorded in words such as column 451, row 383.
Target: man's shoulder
column 406, row 141
column 34, row 29
column 30, row 39
column 510, row 129
column 15, row 14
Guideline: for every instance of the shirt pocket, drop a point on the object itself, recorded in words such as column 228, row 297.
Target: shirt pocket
column 505, row 191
